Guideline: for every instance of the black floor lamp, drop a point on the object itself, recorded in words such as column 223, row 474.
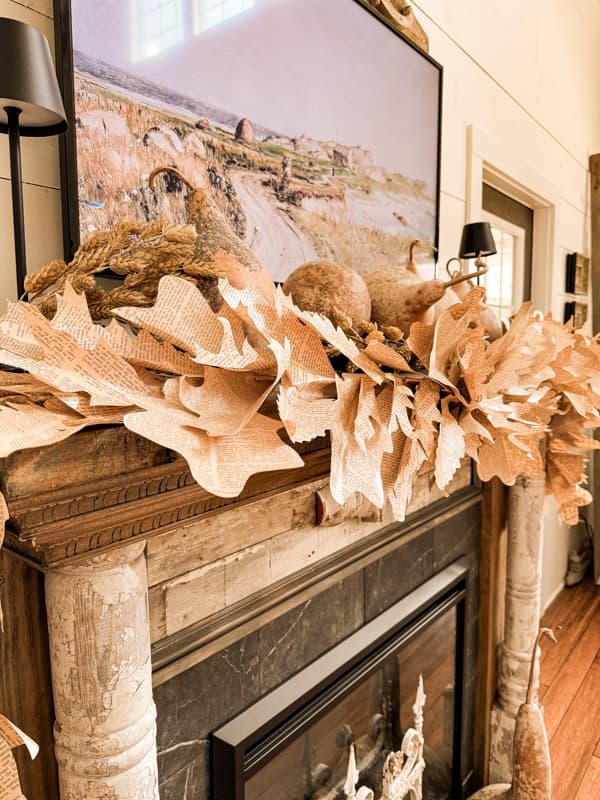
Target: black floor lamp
column 30, row 105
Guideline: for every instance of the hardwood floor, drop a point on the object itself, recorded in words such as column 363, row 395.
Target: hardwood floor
column 570, row 692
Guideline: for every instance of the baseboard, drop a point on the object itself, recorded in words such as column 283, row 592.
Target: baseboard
column 553, row 596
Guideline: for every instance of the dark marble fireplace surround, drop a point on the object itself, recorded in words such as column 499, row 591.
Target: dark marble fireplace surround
column 197, row 701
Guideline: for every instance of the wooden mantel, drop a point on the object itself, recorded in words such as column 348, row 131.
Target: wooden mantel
column 76, row 591
column 105, row 487
column 81, row 514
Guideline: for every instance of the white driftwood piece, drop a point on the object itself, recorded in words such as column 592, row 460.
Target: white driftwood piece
column 402, row 770
column 105, row 729
column 522, row 616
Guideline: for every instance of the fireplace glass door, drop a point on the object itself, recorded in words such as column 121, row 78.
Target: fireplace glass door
column 370, row 706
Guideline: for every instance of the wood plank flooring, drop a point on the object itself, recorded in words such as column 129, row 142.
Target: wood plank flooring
column 570, row 692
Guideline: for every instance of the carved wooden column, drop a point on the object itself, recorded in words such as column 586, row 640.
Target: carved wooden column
column 522, row 616
column 102, row 678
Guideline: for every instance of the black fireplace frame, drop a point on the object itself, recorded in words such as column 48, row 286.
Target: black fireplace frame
column 245, row 744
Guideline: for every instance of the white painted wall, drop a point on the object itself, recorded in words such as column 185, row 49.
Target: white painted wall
column 523, row 72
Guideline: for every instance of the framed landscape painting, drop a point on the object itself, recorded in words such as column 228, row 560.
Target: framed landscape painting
column 315, row 125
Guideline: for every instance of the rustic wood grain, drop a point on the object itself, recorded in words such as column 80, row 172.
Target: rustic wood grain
column 490, row 601
column 590, row 785
column 571, row 676
column 569, row 616
column 265, row 518
column 234, row 529
column 570, row 749
column 90, row 455
column 73, row 520
column 249, row 552
column 25, row 683
column 595, row 274
column 186, row 599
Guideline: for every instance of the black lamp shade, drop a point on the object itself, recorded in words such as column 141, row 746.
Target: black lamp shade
column 476, row 240
column 28, row 81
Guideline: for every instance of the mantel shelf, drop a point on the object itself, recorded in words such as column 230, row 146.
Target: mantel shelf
column 106, row 486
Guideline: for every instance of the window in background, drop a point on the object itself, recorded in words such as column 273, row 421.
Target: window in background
column 157, row 26
column 209, row 13
column 504, row 279
column 508, row 281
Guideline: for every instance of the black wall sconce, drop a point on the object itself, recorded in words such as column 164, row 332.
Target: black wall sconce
column 30, row 105
column 476, row 242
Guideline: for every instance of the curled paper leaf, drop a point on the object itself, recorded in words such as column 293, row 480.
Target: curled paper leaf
column 196, row 381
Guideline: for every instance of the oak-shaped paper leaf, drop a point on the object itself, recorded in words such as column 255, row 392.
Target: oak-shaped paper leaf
column 450, row 447
column 220, row 464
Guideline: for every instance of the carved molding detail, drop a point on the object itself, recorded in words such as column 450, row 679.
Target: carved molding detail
column 400, row 14
column 76, row 521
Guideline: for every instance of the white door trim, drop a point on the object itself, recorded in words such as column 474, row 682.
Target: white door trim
column 490, row 161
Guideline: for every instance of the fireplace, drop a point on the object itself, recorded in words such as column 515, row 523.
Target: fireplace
column 229, row 599
column 293, row 744
column 254, row 686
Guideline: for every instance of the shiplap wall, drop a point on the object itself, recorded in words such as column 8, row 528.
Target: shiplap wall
column 41, row 190
column 525, row 73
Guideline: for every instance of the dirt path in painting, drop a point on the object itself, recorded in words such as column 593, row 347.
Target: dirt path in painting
column 272, row 235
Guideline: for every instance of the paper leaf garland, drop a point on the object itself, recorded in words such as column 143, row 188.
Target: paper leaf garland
column 199, row 381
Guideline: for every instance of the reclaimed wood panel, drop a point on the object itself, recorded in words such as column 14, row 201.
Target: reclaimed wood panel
column 25, row 682
column 247, row 572
column 249, row 553
column 175, row 552
column 590, row 785
column 190, row 546
column 186, row 599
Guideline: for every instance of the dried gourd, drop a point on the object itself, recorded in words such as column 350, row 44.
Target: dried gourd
column 531, row 753
column 217, row 243
column 400, row 298
column 330, row 289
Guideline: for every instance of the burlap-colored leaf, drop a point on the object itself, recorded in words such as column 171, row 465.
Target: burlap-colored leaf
column 426, row 415
column 507, row 460
column 450, row 447
column 420, row 341
column 450, row 331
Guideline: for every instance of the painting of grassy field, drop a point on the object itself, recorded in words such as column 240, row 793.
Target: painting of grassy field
column 291, row 194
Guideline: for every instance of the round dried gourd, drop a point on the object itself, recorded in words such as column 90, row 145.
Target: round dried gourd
column 331, row 290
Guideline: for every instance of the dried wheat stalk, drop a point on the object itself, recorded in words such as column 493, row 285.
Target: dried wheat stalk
column 140, row 252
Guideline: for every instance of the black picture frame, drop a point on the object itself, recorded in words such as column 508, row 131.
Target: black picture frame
column 68, row 143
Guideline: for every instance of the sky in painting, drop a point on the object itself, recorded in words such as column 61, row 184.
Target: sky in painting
column 324, row 68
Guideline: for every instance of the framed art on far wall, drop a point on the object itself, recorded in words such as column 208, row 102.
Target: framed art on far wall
column 315, row 126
